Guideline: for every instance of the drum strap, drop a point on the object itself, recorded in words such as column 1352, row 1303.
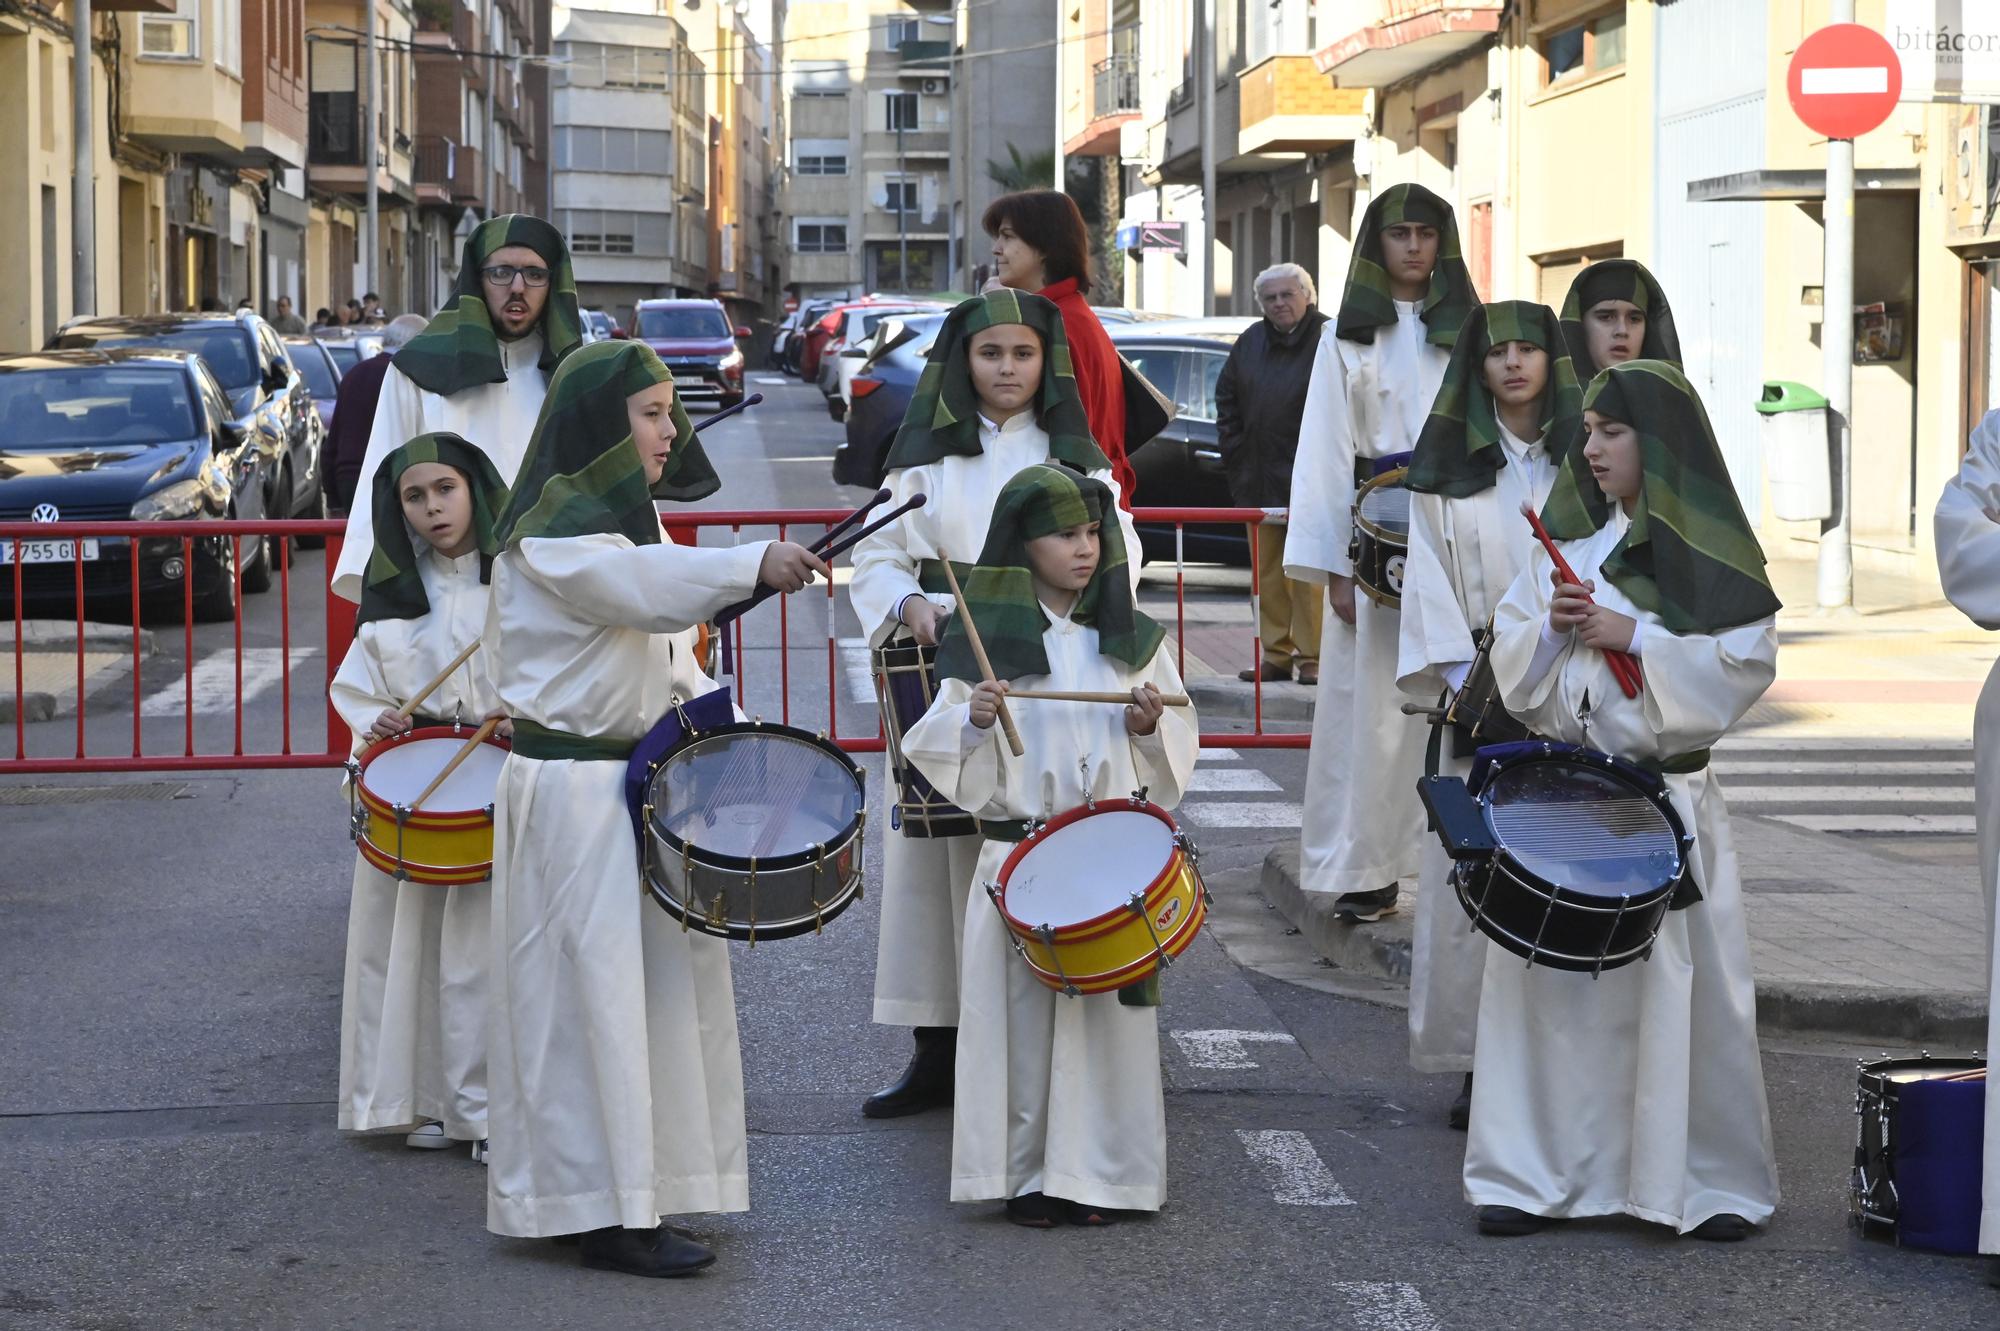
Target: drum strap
column 1681, row 764
column 1014, row 829
column 540, row 742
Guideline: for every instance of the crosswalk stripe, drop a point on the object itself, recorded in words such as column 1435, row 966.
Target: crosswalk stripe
column 1224, row 1049
column 1853, row 794
column 1387, row 1305
column 1735, row 744
column 215, row 681
column 857, row 671
column 1887, row 767
column 1956, row 824
column 1298, row 1177
column 1227, row 813
column 1220, row 756
column 1247, row 780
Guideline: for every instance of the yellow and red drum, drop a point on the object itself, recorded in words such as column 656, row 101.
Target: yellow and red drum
column 449, row 840
column 1101, row 897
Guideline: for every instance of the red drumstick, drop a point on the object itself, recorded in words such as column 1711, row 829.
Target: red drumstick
column 1623, row 666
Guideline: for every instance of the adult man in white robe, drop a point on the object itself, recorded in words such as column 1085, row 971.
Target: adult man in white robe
column 1509, row 398
column 1968, row 547
column 480, row 369
column 1376, row 372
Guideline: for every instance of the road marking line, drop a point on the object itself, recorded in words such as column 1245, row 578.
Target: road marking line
column 1387, row 1305
column 1245, row 779
column 1224, row 1049
column 1816, row 744
column 1220, row 756
column 857, row 670
column 778, row 379
column 1886, row 767
column 1298, row 1176
column 1852, row 794
column 1954, row 824
column 1226, row 813
column 215, row 681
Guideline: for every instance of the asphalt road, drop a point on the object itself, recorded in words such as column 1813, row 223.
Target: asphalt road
column 170, row 962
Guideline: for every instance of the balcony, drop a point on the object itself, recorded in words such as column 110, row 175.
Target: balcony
column 447, row 172
column 1114, row 99
column 185, row 106
column 1285, row 105
column 335, row 150
column 924, row 57
column 1386, row 41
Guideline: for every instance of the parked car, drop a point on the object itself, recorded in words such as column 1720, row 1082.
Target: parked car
column 882, row 389
column 599, row 326
column 794, row 352
column 695, row 339
column 847, row 349
column 128, row 435
column 1182, row 466
column 348, row 348
column 321, row 371
column 257, row 376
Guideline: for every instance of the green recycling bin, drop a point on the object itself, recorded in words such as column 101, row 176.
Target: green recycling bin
column 1798, row 452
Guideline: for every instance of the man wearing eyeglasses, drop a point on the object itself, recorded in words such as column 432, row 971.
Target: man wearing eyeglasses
column 481, row 367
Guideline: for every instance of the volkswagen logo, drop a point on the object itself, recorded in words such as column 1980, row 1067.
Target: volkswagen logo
column 45, row 513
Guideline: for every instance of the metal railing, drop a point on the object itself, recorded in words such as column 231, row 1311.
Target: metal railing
column 1115, row 86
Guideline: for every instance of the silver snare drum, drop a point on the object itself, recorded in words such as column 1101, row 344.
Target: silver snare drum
column 754, row 831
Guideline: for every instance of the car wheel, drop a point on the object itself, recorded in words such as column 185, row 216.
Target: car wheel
column 836, row 408
column 315, row 510
column 258, row 568
column 215, row 594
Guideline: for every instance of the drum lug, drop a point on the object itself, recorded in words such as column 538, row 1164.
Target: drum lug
column 1136, row 903
column 1139, row 797
column 1047, row 934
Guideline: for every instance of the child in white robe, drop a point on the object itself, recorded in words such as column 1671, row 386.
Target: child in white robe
column 617, row 1084
column 1638, row 1091
column 413, row 996
column 1060, row 1110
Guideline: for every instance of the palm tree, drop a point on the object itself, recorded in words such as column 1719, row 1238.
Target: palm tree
column 1034, row 171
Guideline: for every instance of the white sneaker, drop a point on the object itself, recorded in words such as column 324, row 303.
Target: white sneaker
column 479, row 1151
column 429, row 1137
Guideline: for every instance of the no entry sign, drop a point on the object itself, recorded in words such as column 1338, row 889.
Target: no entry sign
column 1844, row 80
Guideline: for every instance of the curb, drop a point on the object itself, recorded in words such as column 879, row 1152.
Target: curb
column 1900, row 1017
column 34, row 706
column 59, row 635
column 1226, row 695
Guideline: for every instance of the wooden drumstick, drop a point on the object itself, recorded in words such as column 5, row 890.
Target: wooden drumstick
column 478, row 738
column 1014, row 744
column 410, row 707
column 1062, row 695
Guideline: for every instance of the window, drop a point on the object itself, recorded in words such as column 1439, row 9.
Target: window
column 173, row 36
column 900, row 109
column 1197, row 397
column 602, row 148
column 589, row 65
column 598, row 231
column 901, row 30
column 685, row 323
column 819, row 78
column 819, row 237
column 819, row 157
column 1583, row 49
column 229, row 45
column 1159, row 366
column 830, row 165
column 899, row 196
column 99, row 405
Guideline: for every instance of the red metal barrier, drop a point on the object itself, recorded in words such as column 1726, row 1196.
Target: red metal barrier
column 337, row 622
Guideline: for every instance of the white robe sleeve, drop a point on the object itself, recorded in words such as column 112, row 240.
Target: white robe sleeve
column 1527, row 684
column 962, row 761
column 1699, row 685
column 399, row 418
column 1321, row 517
column 1968, row 528
column 1165, row 759
column 1433, row 632
column 360, row 690
column 662, row 588
column 885, row 572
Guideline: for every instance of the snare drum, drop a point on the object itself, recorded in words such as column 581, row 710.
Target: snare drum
column 754, row 831
column 1917, row 1150
column 450, row 839
column 1475, row 713
column 1382, row 537
column 905, row 684
column 1564, row 856
column 1101, row 897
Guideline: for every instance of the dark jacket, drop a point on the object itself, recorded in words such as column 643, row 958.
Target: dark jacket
column 353, row 422
column 1258, row 402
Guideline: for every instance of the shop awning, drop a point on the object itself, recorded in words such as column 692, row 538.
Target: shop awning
column 1794, row 186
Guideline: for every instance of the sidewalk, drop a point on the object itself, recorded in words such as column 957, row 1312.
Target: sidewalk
column 1877, row 936
column 48, row 664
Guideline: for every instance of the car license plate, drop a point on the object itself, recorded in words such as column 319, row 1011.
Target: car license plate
column 47, row 552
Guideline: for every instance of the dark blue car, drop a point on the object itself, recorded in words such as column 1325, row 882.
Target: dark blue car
column 882, row 391
column 117, row 436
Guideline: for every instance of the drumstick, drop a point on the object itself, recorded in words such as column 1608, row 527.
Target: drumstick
column 1062, row 695
column 727, row 412
column 979, row 653
column 1623, row 666
column 764, row 592
column 478, row 738
column 409, row 708
column 819, row 545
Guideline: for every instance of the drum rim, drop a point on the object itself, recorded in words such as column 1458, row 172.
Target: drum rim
column 1103, row 982
column 442, row 820
column 1660, row 798
column 1381, row 481
column 743, row 863
column 444, row 875
column 791, row 928
column 1870, row 1077
column 1096, row 925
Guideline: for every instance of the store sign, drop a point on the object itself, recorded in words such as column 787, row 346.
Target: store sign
column 1949, row 49
column 1153, row 237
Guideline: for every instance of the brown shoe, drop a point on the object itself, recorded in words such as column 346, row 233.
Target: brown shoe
column 1309, row 672
column 1266, row 672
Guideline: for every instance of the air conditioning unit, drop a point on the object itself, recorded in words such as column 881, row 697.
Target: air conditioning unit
column 934, row 87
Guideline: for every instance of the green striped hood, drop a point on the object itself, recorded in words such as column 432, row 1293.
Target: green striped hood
column 1459, row 452
column 1619, row 279
column 459, row 349
column 1367, row 303
column 392, row 587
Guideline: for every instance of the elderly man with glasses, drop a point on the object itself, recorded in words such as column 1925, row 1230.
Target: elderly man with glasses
column 1259, row 402
column 481, row 367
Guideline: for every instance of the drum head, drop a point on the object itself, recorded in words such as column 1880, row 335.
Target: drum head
column 757, row 792
column 1084, row 869
column 1386, row 504
column 1902, row 1070
column 1584, row 829
column 398, row 775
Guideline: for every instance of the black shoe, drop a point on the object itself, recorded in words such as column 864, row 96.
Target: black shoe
column 1270, row 672
column 1034, row 1210
column 657, row 1252
column 926, row 1083
column 1365, row 907
column 1511, row 1221
column 1724, row 1228
column 1460, row 1116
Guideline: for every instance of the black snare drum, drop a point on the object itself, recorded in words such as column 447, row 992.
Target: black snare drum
column 1567, row 857
column 1916, row 1158
column 1475, row 713
column 905, row 684
column 1381, row 542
